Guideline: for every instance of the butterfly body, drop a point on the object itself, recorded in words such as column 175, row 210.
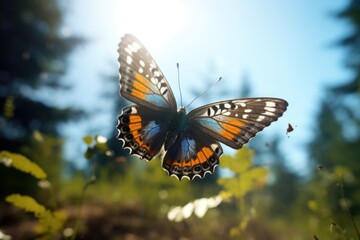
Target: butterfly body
column 191, row 141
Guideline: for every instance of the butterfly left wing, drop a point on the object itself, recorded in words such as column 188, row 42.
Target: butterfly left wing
column 143, row 127
column 142, row 130
column 141, row 80
column 235, row 122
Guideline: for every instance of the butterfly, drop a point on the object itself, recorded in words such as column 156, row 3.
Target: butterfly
column 190, row 141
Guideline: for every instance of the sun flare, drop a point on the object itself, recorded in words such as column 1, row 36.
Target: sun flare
column 154, row 22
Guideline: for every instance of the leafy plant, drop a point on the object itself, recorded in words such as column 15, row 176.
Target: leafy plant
column 22, row 163
column 245, row 179
column 49, row 222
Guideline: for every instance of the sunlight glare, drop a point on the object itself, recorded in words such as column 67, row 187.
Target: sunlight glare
column 154, row 22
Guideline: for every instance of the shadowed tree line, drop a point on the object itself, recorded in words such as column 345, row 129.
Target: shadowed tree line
column 33, row 58
column 337, row 128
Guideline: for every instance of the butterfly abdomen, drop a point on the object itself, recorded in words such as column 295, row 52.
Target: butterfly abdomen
column 177, row 127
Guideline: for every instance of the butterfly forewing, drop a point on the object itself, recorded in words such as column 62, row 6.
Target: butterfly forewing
column 235, row 122
column 141, row 80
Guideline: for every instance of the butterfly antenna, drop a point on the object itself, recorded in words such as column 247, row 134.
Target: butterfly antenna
column 213, row 84
column 177, row 65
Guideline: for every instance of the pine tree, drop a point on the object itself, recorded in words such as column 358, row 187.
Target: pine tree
column 33, row 59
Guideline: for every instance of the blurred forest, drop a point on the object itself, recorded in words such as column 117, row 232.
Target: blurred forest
column 117, row 197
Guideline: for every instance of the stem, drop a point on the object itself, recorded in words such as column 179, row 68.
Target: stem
column 77, row 224
column 348, row 210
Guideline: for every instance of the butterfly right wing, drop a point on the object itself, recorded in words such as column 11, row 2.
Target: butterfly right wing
column 235, row 122
column 192, row 155
column 141, row 80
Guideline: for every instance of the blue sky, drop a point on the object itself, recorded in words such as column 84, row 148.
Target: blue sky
column 285, row 48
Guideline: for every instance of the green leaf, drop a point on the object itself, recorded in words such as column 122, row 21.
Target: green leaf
column 49, row 223
column 240, row 162
column 247, row 178
column 102, row 147
column 22, row 163
column 26, row 203
column 313, row 205
column 89, row 153
column 88, row 139
column 257, row 173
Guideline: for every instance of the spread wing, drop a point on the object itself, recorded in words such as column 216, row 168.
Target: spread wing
column 141, row 80
column 192, row 155
column 235, row 122
column 143, row 127
column 142, row 130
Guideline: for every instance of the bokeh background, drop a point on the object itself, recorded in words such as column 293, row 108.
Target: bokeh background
column 59, row 102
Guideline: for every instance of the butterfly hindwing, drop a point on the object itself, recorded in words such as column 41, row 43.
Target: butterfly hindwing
column 142, row 130
column 141, row 80
column 192, row 155
column 235, row 122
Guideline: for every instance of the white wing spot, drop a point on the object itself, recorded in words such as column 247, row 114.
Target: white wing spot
column 227, row 105
column 270, row 109
column 129, row 51
column 141, row 70
column 260, row 118
column 133, row 110
column 248, row 110
column 136, row 46
column 154, row 80
column 239, row 102
column 270, row 104
column 269, row 114
column 142, row 63
column 236, row 115
column 157, row 73
column 227, row 113
column 245, row 116
column 128, row 59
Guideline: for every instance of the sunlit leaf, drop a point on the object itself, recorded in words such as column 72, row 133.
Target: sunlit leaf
column 49, row 223
column 240, row 162
column 313, row 205
column 225, row 195
column 26, row 203
column 88, row 139
column 102, row 147
column 344, row 174
column 22, row 163
column 38, row 136
column 9, row 107
column 247, row 178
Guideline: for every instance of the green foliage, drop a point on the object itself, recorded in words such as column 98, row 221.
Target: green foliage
column 329, row 206
column 26, row 203
column 246, row 177
column 50, row 223
column 21, row 163
column 246, row 180
column 95, row 145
